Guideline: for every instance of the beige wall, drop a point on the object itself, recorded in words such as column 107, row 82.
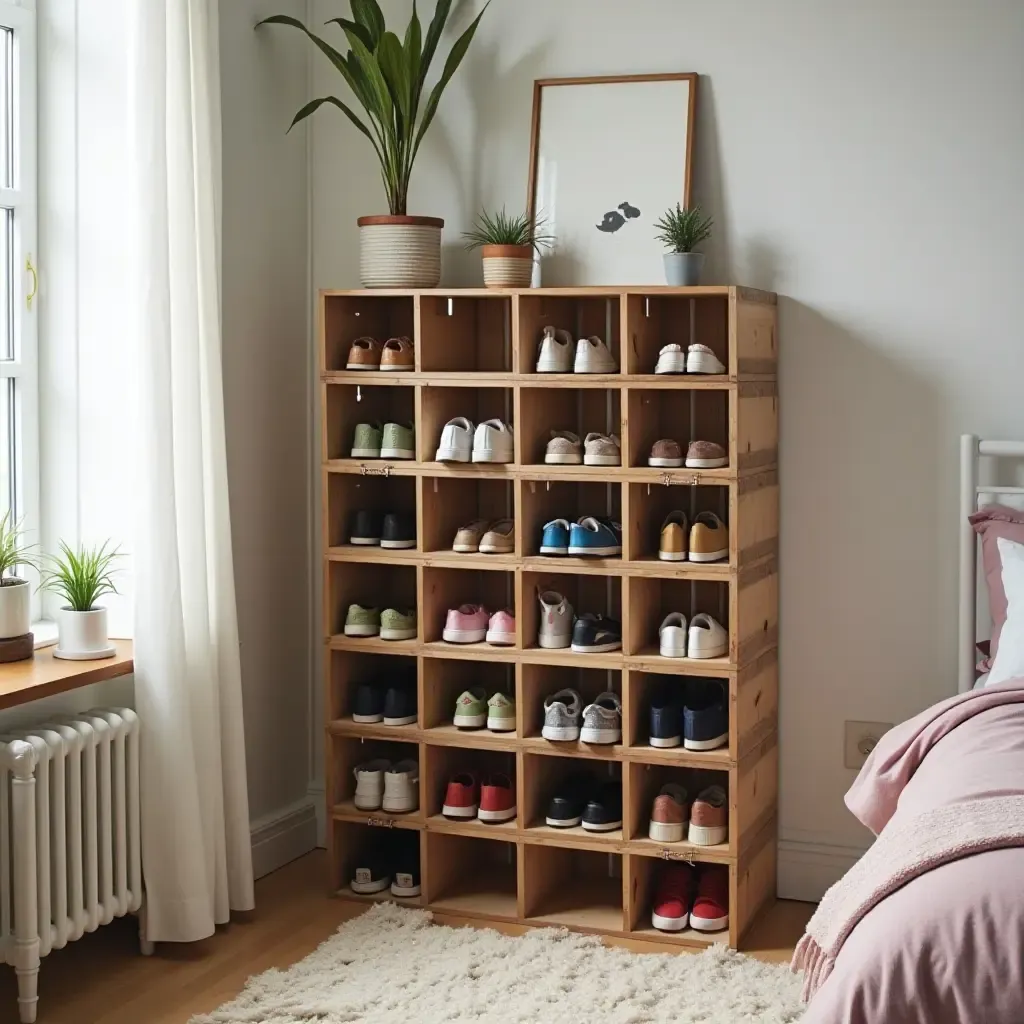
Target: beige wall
column 267, row 392
column 863, row 160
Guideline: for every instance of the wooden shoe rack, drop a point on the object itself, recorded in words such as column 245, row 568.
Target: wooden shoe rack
column 475, row 353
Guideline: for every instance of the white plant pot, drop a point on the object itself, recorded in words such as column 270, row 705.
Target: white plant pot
column 82, row 636
column 15, row 608
column 400, row 252
column 507, row 266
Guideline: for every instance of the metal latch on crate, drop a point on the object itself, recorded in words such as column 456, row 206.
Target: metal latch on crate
column 667, row 854
column 381, row 822
column 365, row 470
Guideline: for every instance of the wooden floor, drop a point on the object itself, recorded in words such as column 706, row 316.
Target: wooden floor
column 102, row 979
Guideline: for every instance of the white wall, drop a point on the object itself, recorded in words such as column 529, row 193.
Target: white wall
column 864, row 161
column 268, row 392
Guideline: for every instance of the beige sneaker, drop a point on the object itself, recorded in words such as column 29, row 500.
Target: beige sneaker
column 468, row 537
column 564, row 449
column 601, row 450
column 499, row 538
column 706, row 455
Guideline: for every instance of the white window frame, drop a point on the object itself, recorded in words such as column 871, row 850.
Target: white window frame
column 20, row 17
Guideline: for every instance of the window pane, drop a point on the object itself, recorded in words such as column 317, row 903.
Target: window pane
column 7, row 446
column 7, row 108
column 6, row 284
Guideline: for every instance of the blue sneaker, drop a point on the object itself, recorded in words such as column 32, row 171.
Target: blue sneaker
column 706, row 720
column 665, row 723
column 600, row 538
column 555, row 539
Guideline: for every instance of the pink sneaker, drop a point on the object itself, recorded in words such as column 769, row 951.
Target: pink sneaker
column 502, row 628
column 466, row 624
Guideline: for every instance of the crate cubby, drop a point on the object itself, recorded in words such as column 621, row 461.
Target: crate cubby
column 475, row 357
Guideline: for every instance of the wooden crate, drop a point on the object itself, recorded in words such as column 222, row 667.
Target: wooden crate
column 475, row 352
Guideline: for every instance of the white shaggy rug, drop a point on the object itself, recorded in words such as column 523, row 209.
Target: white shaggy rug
column 392, row 966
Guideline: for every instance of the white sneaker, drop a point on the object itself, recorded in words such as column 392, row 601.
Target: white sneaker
column 708, row 637
column 592, row 356
column 671, row 359
column 555, row 355
column 456, row 441
column 401, row 787
column 700, row 359
column 555, row 631
column 370, row 784
column 672, row 636
column 492, row 442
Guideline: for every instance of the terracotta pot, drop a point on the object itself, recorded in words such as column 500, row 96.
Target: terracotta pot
column 507, row 266
column 400, row 252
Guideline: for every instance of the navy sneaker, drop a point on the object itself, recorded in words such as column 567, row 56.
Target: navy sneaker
column 666, row 723
column 400, row 705
column 368, row 706
column 565, row 807
column 593, row 634
column 595, row 537
column 555, row 538
column 706, row 719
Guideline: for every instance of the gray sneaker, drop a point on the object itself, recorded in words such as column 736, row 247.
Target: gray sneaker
column 562, row 716
column 602, row 720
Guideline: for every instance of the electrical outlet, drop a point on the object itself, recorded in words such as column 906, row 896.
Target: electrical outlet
column 860, row 738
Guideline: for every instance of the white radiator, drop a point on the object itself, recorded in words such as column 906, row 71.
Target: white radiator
column 70, row 855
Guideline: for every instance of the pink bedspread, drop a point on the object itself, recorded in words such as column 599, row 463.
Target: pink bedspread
column 947, row 948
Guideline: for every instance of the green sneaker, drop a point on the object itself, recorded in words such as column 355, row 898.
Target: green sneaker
column 501, row 713
column 362, row 621
column 399, row 442
column 471, row 709
column 366, row 443
column 396, row 625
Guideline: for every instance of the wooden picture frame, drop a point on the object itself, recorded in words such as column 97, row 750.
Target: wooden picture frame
column 580, row 259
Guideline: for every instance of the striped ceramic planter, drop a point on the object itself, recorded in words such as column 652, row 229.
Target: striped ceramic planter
column 400, row 252
column 507, row 266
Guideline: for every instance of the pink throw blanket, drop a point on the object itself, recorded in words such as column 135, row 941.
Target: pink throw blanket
column 916, row 843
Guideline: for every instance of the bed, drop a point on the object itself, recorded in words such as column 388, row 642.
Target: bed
column 947, row 946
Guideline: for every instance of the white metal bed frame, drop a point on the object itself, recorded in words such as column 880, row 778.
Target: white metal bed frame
column 972, row 496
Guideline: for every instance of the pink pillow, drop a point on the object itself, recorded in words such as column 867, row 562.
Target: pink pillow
column 991, row 523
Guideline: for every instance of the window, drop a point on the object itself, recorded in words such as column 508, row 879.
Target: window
column 19, row 390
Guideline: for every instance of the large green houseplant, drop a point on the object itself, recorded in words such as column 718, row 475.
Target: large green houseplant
column 387, row 76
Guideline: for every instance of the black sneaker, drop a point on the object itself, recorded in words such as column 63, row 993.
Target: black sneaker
column 400, row 705
column 406, row 884
column 399, row 531
column 367, row 528
column 603, row 812
column 593, row 634
column 372, row 874
column 666, row 723
column 368, row 706
column 705, row 718
column 565, row 808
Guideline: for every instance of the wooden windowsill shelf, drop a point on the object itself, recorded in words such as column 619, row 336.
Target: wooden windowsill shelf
column 43, row 675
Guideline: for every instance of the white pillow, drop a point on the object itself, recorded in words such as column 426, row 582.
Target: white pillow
column 1009, row 663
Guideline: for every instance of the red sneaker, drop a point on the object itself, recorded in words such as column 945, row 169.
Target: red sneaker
column 710, row 911
column 462, row 797
column 671, row 905
column 497, row 799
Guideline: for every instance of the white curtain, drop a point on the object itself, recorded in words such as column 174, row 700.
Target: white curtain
column 195, row 817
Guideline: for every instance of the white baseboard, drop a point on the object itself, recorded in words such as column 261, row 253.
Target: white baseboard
column 807, row 870
column 284, row 836
column 316, row 793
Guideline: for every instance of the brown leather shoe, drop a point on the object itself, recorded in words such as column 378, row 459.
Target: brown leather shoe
column 364, row 355
column 675, row 535
column 666, row 453
column 706, row 455
column 709, row 817
column 398, row 354
column 669, row 814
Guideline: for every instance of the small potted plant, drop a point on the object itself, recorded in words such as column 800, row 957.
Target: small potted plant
column 15, row 593
column 387, row 76
column 681, row 231
column 507, row 243
column 81, row 577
